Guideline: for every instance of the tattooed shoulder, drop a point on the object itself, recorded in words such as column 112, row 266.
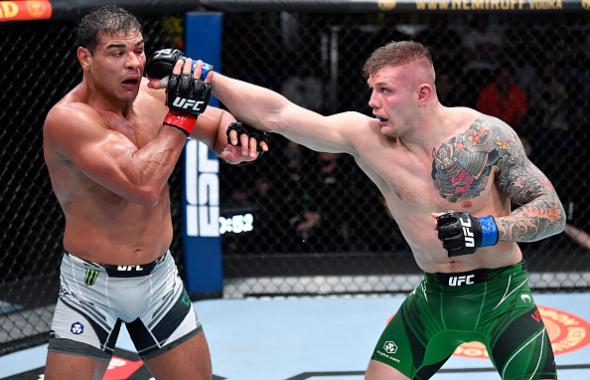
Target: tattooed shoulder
column 462, row 165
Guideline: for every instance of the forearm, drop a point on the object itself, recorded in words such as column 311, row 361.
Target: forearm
column 536, row 220
column 151, row 165
column 220, row 142
column 252, row 104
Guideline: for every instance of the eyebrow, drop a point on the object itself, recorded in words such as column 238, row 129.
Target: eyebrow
column 123, row 46
column 380, row 83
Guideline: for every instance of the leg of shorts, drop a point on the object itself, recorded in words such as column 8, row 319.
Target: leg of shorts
column 405, row 345
column 168, row 321
column 76, row 332
column 522, row 349
column 82, row 325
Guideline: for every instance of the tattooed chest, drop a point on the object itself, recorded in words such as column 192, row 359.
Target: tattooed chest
column 462, row 166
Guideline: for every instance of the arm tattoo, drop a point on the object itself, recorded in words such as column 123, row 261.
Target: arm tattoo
column 461, row 167
column 541, row 214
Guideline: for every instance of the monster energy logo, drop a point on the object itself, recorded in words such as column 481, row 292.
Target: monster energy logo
column 90, row 276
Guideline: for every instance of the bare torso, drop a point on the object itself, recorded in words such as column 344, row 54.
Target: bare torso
column 102, row 226
column 405, row 178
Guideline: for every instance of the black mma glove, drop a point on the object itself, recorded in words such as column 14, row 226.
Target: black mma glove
column 186, row 98
column 462, row 233
column 161, row 63
column 242, row 128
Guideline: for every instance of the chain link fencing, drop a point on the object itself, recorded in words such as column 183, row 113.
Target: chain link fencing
column 297, row 221
column 319, row 224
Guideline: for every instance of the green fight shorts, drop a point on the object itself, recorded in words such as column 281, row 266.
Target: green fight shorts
column 491, row 306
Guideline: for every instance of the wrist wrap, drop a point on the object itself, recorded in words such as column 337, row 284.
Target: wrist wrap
column 185, row 123
column 489, row 231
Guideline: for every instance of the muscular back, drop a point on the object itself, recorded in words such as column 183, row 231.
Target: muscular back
column 102, row 223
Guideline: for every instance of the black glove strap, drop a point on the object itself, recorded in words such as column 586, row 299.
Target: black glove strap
column 259, row 135
column 242, row 128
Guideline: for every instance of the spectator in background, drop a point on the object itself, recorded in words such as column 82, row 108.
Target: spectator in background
column 267, row 237
column 524, row 50
column 504, row 99
column 451, row 92
column 303, row 88
column 294, row 198
column 326, row 197
column 555, row 144
column 482, row 40
column 549, row 99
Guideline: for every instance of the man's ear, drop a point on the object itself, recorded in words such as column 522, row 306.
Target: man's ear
column 84, row 57
column 424, row 94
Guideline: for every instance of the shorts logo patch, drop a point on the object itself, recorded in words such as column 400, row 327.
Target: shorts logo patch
column 77, row 328
column 185, row 298
column 390, row 347
column 90, row 276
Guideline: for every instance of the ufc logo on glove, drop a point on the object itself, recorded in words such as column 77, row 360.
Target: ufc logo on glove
column 469, row 240
column 462, row 233
column 188, row 104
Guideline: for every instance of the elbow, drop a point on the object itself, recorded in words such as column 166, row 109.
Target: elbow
column 275, row 122
column 148, row 197
column 562, row 219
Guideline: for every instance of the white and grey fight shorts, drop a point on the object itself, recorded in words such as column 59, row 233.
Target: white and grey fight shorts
column 94, row 299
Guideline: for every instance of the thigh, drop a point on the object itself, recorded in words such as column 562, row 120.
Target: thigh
column 410, row 343
column 380, row 371
column 61, row 366
column 522, row 349
column 169, row 319
column 188, row 360
column 82, row 323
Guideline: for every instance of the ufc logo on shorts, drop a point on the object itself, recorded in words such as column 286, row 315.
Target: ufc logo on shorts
column 461, row 280
column 469, row 240
column 129, row 268
column 185, row 104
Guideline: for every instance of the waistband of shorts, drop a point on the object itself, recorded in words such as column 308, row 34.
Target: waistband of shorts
column 133, row 270
column 473, row 277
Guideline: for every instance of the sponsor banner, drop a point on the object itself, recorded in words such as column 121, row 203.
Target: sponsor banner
column 352, row 6
column 25, row 10
column 30, row 10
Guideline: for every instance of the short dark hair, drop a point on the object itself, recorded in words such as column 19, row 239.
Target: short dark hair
column 395, row 53
column 109, row 19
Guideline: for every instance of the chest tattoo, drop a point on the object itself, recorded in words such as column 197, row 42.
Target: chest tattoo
column 461, row 166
